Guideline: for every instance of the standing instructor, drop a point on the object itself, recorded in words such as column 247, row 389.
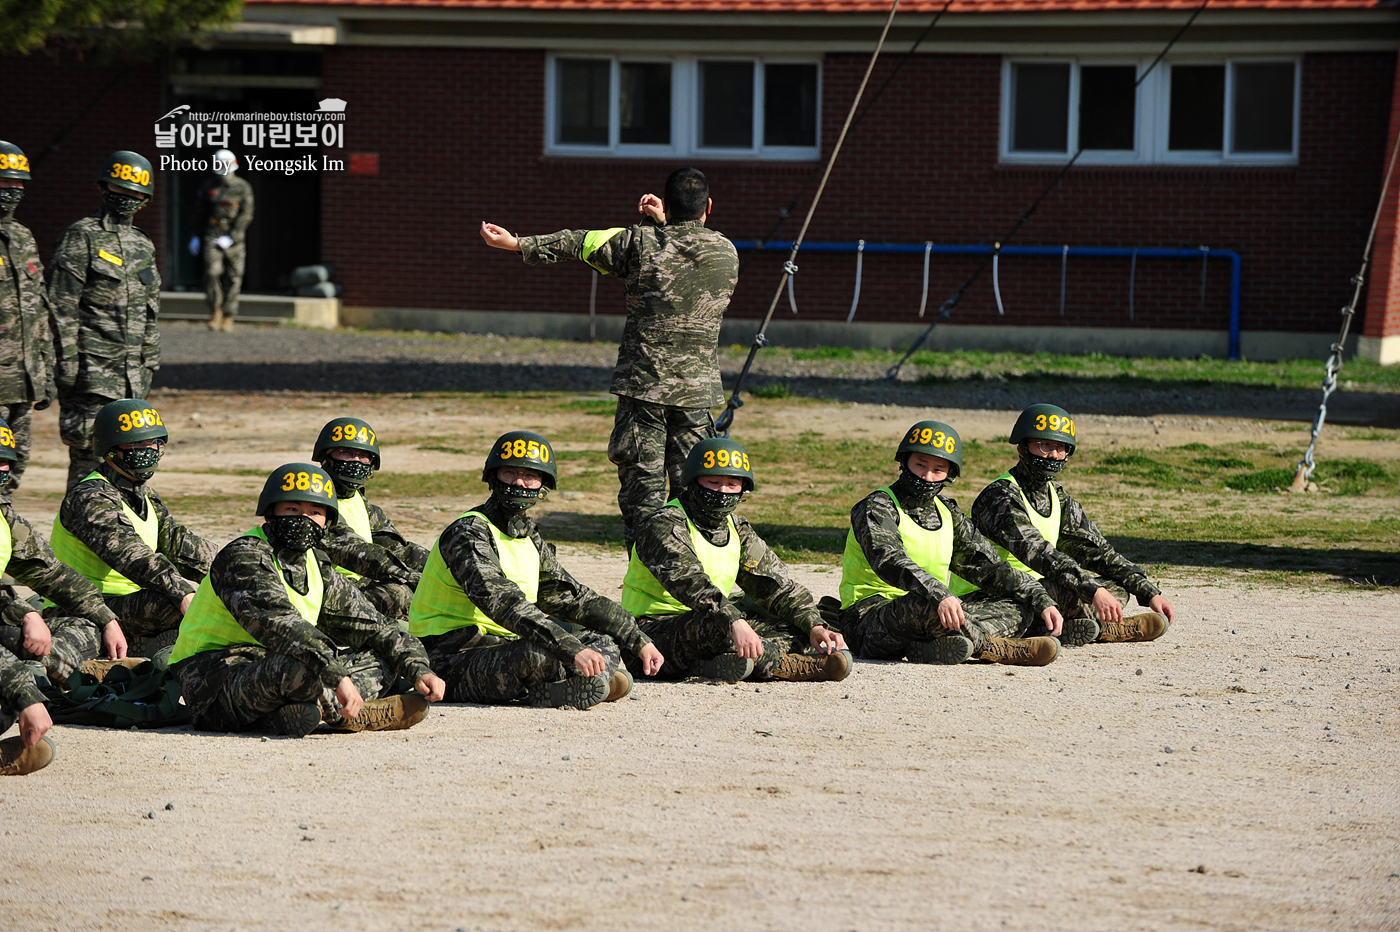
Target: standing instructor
column 679, row 277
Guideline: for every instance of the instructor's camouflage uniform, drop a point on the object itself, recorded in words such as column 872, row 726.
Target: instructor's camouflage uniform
column 235, row 688
column 92, row 512
column 26, row 344
column 389, row 565
column 777, row 606
column 226, row 203
column 487, row 669
column 1007, row 606
column 106, row 340
column 18, row 691
column 1084, row 561
column 679, row 279
column 78, row 616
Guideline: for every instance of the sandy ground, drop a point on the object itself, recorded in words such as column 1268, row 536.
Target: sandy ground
column 1238, row 774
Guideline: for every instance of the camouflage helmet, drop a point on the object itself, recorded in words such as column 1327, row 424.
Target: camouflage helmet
column 299, row 482
column 7, row 443
column 125, row 421
column 522, row 449
column 13, row 162
column 127, row 170
column 936, row 439
column 1044, row 422
column 717, row 456
column 350, row 433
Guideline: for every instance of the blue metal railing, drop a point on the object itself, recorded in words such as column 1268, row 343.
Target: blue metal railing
column 1117, row 252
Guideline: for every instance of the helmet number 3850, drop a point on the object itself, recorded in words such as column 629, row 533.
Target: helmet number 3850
column 524, row 450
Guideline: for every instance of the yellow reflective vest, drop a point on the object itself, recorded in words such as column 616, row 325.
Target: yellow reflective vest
column 1049, row 528
column 931, row 551
column 353, row 512
column 78, row 555
column 439, row 603
column 642, row 592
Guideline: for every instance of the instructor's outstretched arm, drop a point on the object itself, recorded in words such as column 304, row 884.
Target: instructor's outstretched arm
column 499, row 237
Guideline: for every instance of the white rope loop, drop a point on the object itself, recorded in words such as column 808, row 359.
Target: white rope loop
column 1132, row 283
column 860, row 263
column 923, row 301
column 1064, row 267
column 996, row 276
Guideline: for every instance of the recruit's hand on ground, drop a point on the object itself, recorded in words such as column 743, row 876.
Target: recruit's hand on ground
column 35, row 635
column 348, row 695
column 651, row 659
column 185, row 604
column 652, row 206
column 1054, row 621
column 589, row 662
column 1162, row 607
column 432, row 686
column 825, row 640
column 950, row 613
column 1106, row 606
column 114, row 640
column 747, row 643
column 499, row 237
column 34, row 723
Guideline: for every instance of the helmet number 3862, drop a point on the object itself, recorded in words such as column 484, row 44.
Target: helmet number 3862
column 135, row 420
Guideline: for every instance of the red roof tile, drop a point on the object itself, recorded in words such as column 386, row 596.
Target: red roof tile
column 857, row 6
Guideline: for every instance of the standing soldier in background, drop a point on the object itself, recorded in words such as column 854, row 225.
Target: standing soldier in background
column 679, row 278
column 26, row 375
column 104, row 289
column 226, row 210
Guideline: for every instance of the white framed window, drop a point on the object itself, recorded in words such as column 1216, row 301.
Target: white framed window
column 1187, row 111
column 638, row 106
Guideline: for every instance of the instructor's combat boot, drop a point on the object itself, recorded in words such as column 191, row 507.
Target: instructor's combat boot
column 16, row 760
column 945, row 650
column 574, row 692
column 296, row 719
column 392, row 713
column 1079, row 631
column 619, row 686
column 1020, row 652
column 800, row 668
column 1146, row 627
column 216, row 319
column 226, row 325
column 727, row 668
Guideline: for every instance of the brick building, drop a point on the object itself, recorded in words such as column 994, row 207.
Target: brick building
column 1263, row 133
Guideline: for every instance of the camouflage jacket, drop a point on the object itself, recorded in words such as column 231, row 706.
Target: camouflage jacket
column 469, row 551
column 679, row 278
column 92, row 512
column 875, row 523
column 226, row 207
column 33, row 564
column 1082, row 556
column 17, row 686
column 26, row 345
column 663, row 545
column 388, row 557
column 244, row 577
column 104, row 289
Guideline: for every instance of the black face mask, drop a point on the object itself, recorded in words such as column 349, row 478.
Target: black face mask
column 711, row 506
column 124, row 204
column 1043, row 468
column 919, row 488
column 5, row 477
column 295, row 532
column 515, row 497
column 348, row 473
column 140, row 463
column 10, row 198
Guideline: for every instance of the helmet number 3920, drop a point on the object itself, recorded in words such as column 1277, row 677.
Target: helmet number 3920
column 1055, row 422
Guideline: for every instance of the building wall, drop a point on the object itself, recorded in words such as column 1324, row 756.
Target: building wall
column 460, row 138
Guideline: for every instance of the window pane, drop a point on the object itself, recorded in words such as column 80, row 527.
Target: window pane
column 1039, row 108
column 1264, row 107
column 583, row 100
column 644, row 107
column 1107, row 107
column 1198, row 108
column 726, row 104
column 790, row 105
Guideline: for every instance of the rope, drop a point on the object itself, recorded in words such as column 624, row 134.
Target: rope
column 952, row 302
column 1334, row 359
column 923, row 300
column 760, row 339
column 1064, row 268
column 1205, row 267
column 792, row 273
column 593, row 308
column 996, row 276
column 860, row 262
column 1132, row 284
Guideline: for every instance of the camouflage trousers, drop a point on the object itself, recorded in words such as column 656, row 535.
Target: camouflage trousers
column 223, row 275
column 20, row 417
column 75, row 416
column 74, row 640
column 688, row 639
column 391, row 598
column 886, row 629
column 16, row 678
column 236, row 688
column 1072, row 606
column 649, row 444
column 488, row 670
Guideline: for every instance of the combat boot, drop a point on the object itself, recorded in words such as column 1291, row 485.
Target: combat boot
column 727, row 668
column 1148, row 626
column 946, row 650
column 804, row 668
column 392, row 713
column 216, row 319
column 619, row 686
column 1079, row 631
column 226, row 325
column 296, row 720
column 1020, row 652
column 575, row 692
column 16, row 760
column 100, row 668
